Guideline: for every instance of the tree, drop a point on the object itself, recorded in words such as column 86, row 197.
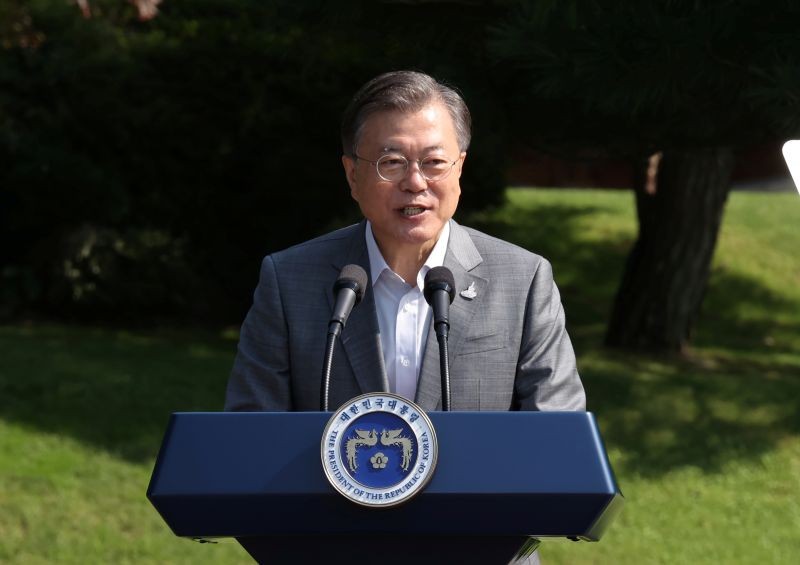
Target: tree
column 149, row 164
column 691, row 80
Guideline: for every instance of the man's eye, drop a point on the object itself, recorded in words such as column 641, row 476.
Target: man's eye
column 393, row 162
column 434, row 163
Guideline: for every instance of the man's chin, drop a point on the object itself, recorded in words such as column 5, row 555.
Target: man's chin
column 420, row 235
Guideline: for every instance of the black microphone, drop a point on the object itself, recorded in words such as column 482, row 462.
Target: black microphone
column 440, row 289
column 348, row 291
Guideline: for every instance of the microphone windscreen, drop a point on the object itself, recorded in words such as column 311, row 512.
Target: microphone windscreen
column 439, row 278
column 353, row 277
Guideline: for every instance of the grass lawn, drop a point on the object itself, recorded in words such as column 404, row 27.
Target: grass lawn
column 706, row 448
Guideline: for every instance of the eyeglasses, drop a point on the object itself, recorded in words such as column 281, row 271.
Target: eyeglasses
column 394, row 167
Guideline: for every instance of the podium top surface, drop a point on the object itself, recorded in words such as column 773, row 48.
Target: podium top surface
column 249, row 473
column 235, row 453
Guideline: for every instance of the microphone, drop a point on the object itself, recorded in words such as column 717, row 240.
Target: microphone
column 348, row 291
column 439, row 293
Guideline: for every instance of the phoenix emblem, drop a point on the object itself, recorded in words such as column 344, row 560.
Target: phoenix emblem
column 364, row 438
column 369, row 438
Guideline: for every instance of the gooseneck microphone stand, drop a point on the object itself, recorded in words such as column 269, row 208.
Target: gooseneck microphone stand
column 444, row 366
column 439, row 293
column 348, row 290
column 325, row 389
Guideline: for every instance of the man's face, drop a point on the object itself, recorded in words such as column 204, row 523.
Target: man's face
column 407, row 215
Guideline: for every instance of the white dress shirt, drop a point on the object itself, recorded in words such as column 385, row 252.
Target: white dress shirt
column 403, row 314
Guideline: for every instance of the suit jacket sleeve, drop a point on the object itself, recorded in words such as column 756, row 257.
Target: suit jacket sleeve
column 260, row 379
column 547, row 376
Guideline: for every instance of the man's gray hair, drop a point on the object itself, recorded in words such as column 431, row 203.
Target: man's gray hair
column 402, row 91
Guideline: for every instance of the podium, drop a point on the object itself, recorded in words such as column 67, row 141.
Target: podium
column 501, row 479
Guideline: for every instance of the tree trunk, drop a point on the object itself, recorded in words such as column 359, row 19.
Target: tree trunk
column 667, row 270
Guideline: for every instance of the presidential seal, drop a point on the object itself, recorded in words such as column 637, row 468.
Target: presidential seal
column 379, row 449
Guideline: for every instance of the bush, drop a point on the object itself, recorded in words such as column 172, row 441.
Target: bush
column 178, row 151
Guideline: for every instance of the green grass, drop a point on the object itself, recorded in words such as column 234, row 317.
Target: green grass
column 82, row 413
column 706, row 447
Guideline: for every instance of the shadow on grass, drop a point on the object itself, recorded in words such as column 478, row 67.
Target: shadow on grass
column 586, row 273
column 741, row 314
column 735, row 399
column 737, row 395
column 109, row 389
column 667, row 415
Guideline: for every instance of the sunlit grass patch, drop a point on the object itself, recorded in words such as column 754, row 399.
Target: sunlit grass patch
column 706, row 447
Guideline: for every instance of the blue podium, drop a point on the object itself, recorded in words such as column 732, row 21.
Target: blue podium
column 501, row 478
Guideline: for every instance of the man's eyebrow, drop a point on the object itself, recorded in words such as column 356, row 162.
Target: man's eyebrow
column 390, row 149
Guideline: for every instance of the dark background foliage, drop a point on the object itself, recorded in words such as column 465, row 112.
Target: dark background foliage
column 148, row 166
column 635, row 77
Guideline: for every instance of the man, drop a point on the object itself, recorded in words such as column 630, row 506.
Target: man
column 405, row 138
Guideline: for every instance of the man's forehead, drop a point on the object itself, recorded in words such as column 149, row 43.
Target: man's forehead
column 389, row 127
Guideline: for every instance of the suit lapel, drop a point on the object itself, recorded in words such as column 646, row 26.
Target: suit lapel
column 462, row 256
column 360, row 337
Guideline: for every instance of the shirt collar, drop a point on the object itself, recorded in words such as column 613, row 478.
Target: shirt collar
column 377, row 264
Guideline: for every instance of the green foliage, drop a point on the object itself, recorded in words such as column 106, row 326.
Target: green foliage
column 635, row 76
column 214, row 125
column 153, row 264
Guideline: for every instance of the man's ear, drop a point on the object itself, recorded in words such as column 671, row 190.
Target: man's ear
column 461, row 164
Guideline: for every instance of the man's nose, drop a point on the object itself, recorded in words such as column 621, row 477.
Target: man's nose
column 414, row 181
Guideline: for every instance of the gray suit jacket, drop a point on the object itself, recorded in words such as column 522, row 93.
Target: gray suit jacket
column 509, row 349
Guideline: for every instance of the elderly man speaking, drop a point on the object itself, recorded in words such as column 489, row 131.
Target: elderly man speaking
column 405, row 138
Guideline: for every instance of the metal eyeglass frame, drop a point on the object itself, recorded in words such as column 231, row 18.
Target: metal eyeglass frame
column 382, row 158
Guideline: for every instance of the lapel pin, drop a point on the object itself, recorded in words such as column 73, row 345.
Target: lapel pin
column 470, row 292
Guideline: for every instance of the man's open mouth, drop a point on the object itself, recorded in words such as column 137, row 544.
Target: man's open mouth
column 412, row 210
